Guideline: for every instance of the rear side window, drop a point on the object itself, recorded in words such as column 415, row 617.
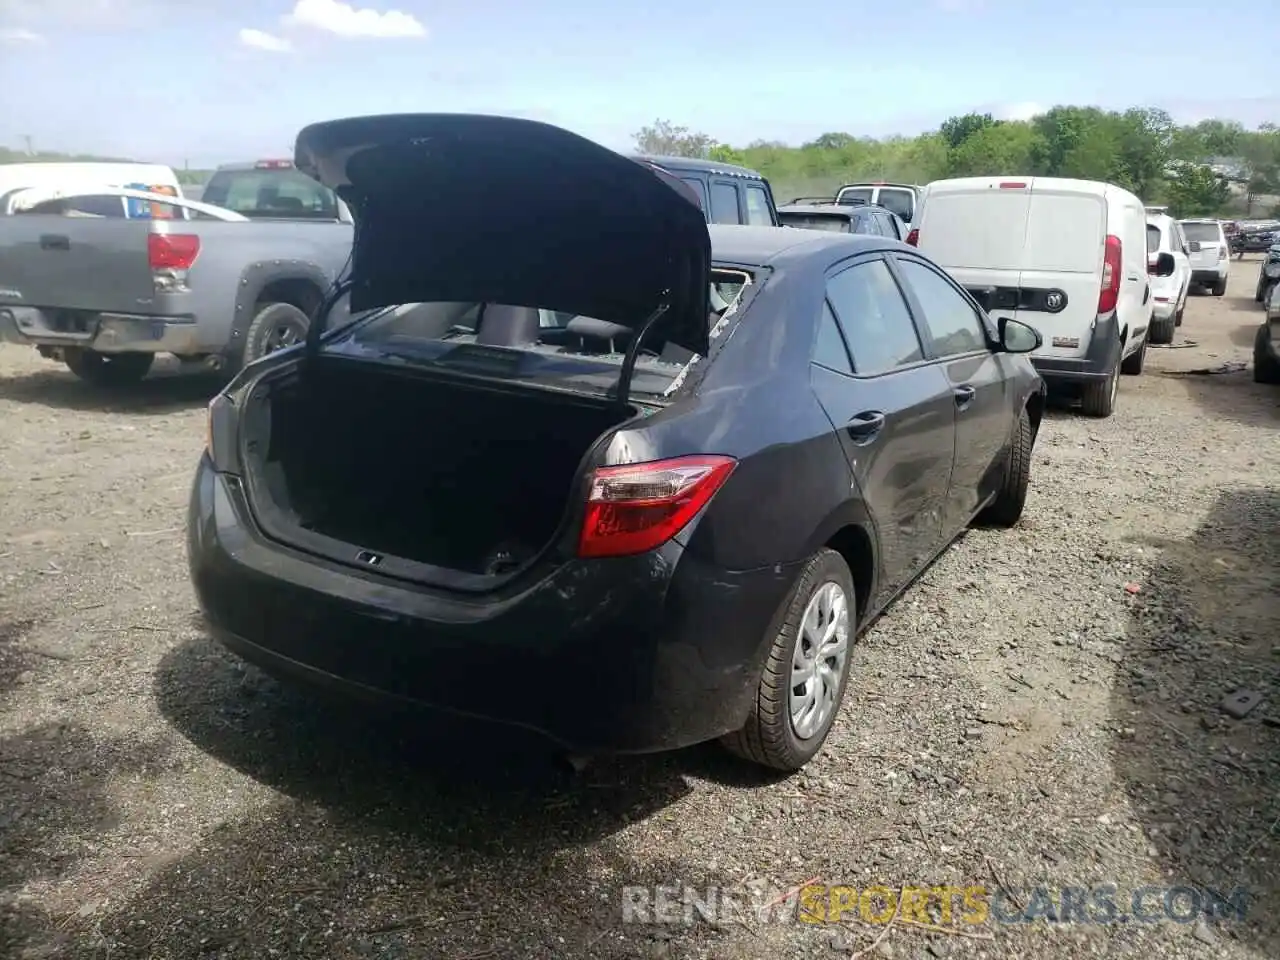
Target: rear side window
column 699, row 188
column 815, row 221
column 830, row 350
column 724, row 202
column 874, row 317
column 954, row 326
column 112, row 207
column 900, row 201
column 887, row 226
column 278, row 194
column 1153, row 238
column 758, row 207
column 855, row 195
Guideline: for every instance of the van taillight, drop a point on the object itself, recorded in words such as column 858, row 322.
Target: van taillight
column 171, row 256
column 913, row 238
column 1112, row 267
column 635, row 508
column 1013, row 185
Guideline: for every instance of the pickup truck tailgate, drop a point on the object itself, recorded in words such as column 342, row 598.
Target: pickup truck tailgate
column 76, row 263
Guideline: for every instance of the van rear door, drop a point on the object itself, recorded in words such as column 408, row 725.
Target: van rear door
column 1061, row 274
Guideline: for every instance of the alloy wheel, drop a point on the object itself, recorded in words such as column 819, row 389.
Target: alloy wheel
column 818, row 660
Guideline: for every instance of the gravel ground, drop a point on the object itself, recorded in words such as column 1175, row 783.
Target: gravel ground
column 1041, row 709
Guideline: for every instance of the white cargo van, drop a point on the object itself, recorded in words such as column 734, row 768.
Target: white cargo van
column 1068, row 257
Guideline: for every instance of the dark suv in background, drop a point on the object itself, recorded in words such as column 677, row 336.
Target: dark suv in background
column 727, row 193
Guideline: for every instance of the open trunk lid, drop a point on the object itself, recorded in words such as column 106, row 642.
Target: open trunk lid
column 469, row 208
column 1038, row 258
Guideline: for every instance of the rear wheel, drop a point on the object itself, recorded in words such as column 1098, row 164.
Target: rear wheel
column 1161, row 331
column 108, row 369
column 1098, row 397
column 1182, row 308
column 1132, row 364
column 804, row 676
column 1219, row 287
column 1006, row 509
column 274, row 327
column 1266, row 369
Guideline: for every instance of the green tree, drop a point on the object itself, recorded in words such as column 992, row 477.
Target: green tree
column 1004, row 148
column 1196, row 191
column 959, row 129
column 664, row 138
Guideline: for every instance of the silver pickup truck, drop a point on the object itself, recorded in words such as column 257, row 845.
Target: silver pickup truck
column 106, row 293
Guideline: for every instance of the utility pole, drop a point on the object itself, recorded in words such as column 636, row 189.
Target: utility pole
column 27, row 137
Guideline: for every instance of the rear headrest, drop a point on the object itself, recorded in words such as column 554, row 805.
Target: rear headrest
column 507, row 326
column 599, row 329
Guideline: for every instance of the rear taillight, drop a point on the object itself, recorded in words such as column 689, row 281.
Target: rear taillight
column 1112, row 267
column 171, row 256
column 913, row 238
column 634, row 508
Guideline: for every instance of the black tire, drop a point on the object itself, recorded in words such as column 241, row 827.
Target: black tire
column 1098, row 397
column 1161, row 331
column 1006, row 509
column 1177, row 317
column 1219, row 288
column 768, row 738
column 1259, row 294
column 1132, row 364
column 1265, row 367
column 1266, row 293
column 274, row 326
column 108, row 369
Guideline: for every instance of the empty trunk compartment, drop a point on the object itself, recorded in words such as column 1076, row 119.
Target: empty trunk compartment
column 453, row 475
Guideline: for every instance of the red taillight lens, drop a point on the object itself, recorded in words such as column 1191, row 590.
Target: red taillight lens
column 1013, row 185
column 634, row 508
column 1112, row 267
column 913, row 238
column 172, row 251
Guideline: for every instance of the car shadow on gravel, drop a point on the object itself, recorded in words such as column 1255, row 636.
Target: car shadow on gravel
column 1227, row 392
column 54, row 801
column 168, row 391
column 395, row 842
column 1204, row 786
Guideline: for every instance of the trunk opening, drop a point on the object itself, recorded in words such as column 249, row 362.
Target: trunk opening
column 458, row 476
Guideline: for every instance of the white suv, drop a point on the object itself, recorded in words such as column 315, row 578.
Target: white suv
column 1164, row 235
column 1210, row 256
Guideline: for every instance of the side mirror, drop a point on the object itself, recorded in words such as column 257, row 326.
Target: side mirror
column 1165, row 265
column 1018, row 337
column 1195, row 246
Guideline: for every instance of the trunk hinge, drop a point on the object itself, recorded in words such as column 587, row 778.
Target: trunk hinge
column 315, row 329
column 633, row 352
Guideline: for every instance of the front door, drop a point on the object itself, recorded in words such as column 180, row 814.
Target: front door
column 893, row 411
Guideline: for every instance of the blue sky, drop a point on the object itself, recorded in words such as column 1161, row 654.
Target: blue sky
column 214, row 80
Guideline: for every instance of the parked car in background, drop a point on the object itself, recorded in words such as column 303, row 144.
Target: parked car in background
column 1068, row 257
column 1168, row 293
column 901, row 198
column 1210, row 254
column 106, row 294
column 54, row 179
column 1258, row 236
column 842, row 218
column 726, row 192
column 1266, row 345
column 705, row 513
column 1268, row 273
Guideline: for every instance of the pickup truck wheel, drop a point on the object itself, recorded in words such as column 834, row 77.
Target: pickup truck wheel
column 108, row 369
column 808, row 665
column 274, row 327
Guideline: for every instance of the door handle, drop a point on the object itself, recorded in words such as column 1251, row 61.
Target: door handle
column 964, row 395
column 54, row 241
column 866, row 426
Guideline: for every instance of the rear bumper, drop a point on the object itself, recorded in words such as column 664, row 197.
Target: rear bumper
column 101, row 332
column 629, row 655
column 1216, row 275
column 1099, row 361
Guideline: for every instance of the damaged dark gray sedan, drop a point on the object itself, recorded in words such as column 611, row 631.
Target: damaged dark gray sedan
column 582, row 464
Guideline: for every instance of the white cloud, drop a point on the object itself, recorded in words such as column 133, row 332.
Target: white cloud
column 261, row 40
column 1019, row 111
column 17, row 35
column 344, row 20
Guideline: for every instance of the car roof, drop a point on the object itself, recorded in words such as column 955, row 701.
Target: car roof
column 839, row 209
column 767, row 246
column 696, row 163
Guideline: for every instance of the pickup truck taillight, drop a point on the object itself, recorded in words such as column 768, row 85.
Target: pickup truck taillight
column 171, row 256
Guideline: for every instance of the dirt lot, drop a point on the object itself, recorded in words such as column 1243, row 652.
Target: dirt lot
column 1041, row 709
